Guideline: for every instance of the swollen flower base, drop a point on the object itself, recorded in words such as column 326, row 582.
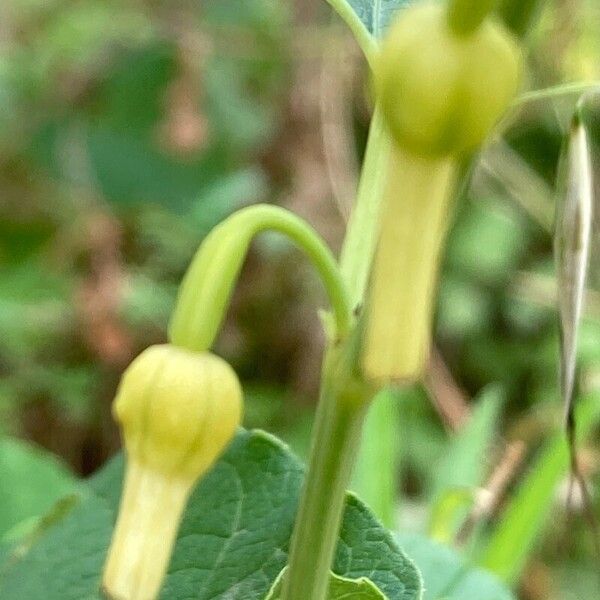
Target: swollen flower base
column 443, row 91
column 178, row 410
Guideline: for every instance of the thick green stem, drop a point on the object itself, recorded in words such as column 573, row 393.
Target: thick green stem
column 363, row 229
column 355, row 263
column 336, row 439
column 342, row 406
column 465, row 16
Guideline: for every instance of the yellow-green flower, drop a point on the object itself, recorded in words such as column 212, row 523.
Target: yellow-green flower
column 178, row 410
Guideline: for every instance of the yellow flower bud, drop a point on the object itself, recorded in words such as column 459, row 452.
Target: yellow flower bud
column 442, row 92
column 178, row 410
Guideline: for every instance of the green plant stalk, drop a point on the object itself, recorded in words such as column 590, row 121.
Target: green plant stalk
column 365, row 40
column 343, row 404
column 465, row 16
column 208, row 283
column 375, row 477
column 528, row 512
column 519, row 15
column 355, row 263
column 336, row 439
column 360, row 243
column 363, row 229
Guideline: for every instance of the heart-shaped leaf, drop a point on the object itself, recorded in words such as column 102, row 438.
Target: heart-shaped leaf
column 232, row 543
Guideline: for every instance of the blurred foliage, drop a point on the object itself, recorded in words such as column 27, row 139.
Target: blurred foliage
column 127, row 132
column 128, row 129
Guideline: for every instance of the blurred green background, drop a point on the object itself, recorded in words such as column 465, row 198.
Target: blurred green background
column 128, row 129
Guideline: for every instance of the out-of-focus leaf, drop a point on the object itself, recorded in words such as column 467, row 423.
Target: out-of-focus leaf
column 463, row 308
column 423, row 439
column 31, row 482
column 33, row 307
column 239, row 123
column 376, row 473
column 463, row 465
column 487, row 242
column 526, row 515
column 246, row 186
column 132, row 99
column 447, row 577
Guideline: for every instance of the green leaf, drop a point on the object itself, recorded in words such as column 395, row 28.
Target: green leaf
column 529, row 510
column 447, row 577
column 233, row 540
column 340, row 588
column 463, row 467
column 463, row 463
column 31, row 482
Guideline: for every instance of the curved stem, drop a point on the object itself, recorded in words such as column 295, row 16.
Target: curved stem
column 343, row 403
column 556, row 91
column 207, row 286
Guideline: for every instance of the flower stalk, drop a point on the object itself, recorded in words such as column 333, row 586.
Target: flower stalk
column 207, row 286
column 146, row 528
column 401, row 217
column 178, row 410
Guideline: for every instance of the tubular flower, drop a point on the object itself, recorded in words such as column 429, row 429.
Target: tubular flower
column 177, row 410
column 442, row 87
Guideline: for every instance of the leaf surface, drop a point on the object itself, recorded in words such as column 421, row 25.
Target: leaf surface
column 447, row 577
column 232, row 543
column 31, row 481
